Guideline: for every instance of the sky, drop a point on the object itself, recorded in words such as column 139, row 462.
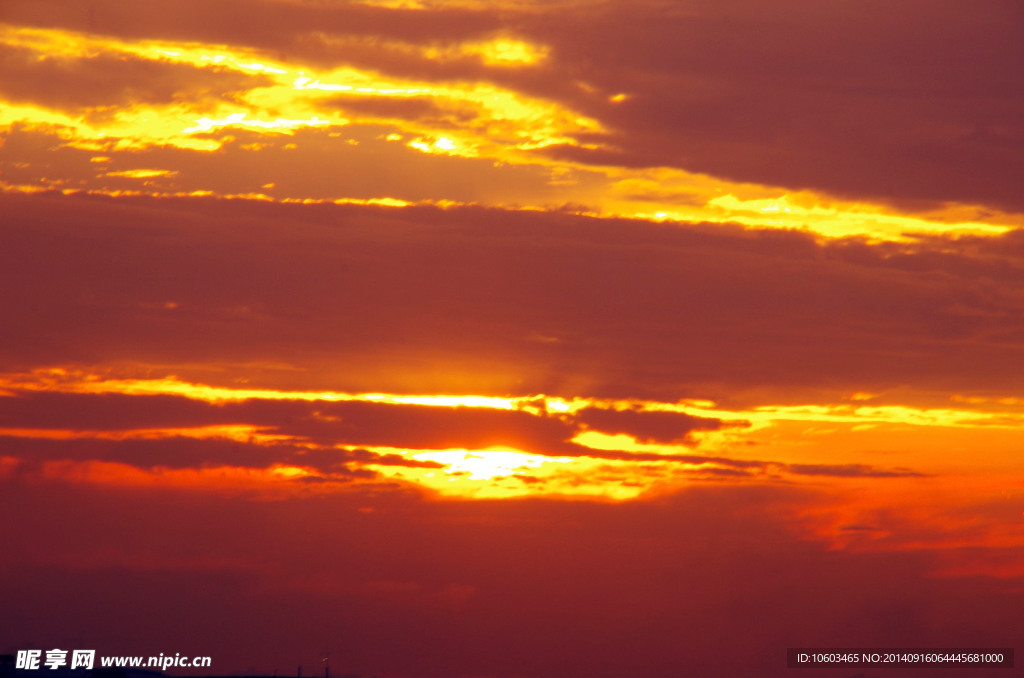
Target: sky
column 511, row 339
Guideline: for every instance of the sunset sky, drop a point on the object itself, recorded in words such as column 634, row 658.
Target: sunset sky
column 512, row 338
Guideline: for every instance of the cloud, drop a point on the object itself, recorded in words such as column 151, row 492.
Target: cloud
column 830, row 99
column 283, row 26
column 106, row 412
column 322, row 423
column 849, row 471
column 108, row 82
column 326, row 423
column 663, row 427
column 328, row 437
column 182, row 452
column 482, row 301
column 355, row 162
column 850, row 98
column 412, row 108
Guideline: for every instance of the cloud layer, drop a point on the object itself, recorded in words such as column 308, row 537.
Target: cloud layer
column 482, row 301
column 888, row 102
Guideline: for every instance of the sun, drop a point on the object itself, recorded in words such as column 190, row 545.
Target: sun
column 487, row 464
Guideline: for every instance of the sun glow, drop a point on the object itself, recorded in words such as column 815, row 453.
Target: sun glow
column 205, row 124
column 141, row 173
column 782, row 443
column 500, row 474
column 488, row 464
column 507, row 52
column 839, row 220
column 1008, row 412
column 77, row 381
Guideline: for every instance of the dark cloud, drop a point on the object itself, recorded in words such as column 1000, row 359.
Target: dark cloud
column 292, row 30
column 646, row 427
column 326, row 423
column 885, row 101
column 849, row 471
column 401, row 108
column 107, row 412
column 180, row 452
column 485, row 301
column 110, row 82
column 432, row 427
